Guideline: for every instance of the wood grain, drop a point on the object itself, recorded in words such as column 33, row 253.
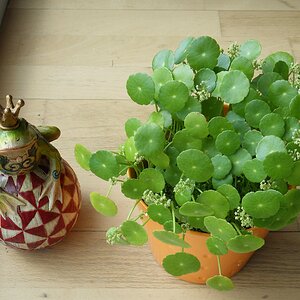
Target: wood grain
column 70, row 59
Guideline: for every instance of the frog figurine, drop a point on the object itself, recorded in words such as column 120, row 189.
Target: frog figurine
column 39, row 192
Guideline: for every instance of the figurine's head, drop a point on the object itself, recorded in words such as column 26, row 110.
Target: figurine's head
column 18, row 140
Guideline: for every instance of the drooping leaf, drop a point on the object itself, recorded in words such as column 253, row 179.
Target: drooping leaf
column 181, row 263
column 158, row 213
column 164, row 58
column 220, row 283
column 170, row 238
column 216, row 246
column 195, row 209
column 134, row 233
column 245, row 243
column 103, row 204
column 83, row 156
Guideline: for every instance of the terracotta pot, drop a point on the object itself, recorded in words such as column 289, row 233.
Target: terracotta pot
column 231, row 263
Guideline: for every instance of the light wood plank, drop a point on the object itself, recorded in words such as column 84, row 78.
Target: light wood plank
column 92, row 264
column 159, row 5
column 111, row 23
column 295, row 43
column 259, row 24
column 69, row 50
column 59, row 82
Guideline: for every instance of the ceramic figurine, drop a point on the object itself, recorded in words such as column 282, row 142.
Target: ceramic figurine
column 39, row 192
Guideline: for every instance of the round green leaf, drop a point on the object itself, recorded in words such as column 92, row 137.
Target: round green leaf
column 207, row 78
column 294, row 107
column 228, row 142
column 222, row 166
column 272, row 124
column 195, row 165
column 197, row 124
column 291, row 124
column 244, row 65
column 220, row 76
column 203, row 53
column 282, row 68
column 255, row 110
column 173, row 96
column 182, row 50
column 181, row 263
column 291, row 202
column 208, row 147
column 133, row 188
column 220, row 283
column 265, row 82
column 152, row 179
column 294, row 177
column 134, row 233
column 251, row 140
column 197, row 222
column 220, row 228
column 278, row 165
column 104, row 164
column 172, row 175
column 131, row 126
column 216, row 201
column 156, row 118
column 262, row 204
column 164, row 58
column 216, row 246
column 192, row 105
column 251, row 49
column 212, row 107
column 129, row 149
column 254, row 170
column 185, row 74
column 83, row 156
column 160, row 77
column 271, row 60
column 223, row 62
column 281, row 93
column 269, row 144
column 170, row 238
column 185, row 139
column 158, row 213
column 234, row 87
column 218, row 182
column 103, row 205
column 195, row 209
column 238, row 159
column 217, row 125
column 140, row 88
column 160, row 160
column 245, row 243
column 183, row 196
column 231, row 194
column 149, row 139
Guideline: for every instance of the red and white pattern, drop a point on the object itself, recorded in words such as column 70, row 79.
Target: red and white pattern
column 34, row 226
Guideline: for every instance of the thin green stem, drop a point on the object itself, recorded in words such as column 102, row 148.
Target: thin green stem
column 109, row 190
column 138, row 217
column 219, row 265
column 183, row 237
column 168, row 146
column 236, row 228
column 132, row 209
column 146, row 222
column 173, row 217
column 156, row 106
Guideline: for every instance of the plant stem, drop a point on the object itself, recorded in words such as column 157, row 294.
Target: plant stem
column 183, row 237
column 156, row 107
column 236, row 228
column 219, row 265
column 146, row 222
column 109, row 190
column 173, row 217
column 139, row 216
column 132, row 209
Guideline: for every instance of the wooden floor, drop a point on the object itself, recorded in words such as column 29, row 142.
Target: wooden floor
column 70, row 59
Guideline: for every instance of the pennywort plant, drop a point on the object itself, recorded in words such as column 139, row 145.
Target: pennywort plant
column 220, row 153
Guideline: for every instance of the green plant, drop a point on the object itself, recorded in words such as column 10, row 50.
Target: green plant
column 198, row 168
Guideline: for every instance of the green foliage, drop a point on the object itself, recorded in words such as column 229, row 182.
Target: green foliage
column 200, row 164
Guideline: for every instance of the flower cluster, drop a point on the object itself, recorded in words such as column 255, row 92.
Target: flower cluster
column 184, row 184
column 294, row 77
column 234, row 50
column 138, row 159
column 295, row 154
column 296, row 137
column 266, row 185
column 241, row 216
column 154, row 198
column 201, row 92
column 114, row 236
column 257, row 64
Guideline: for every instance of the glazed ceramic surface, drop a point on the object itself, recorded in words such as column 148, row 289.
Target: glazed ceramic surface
column 39, row 192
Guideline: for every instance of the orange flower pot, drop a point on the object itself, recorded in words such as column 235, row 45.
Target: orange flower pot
column 231, row 263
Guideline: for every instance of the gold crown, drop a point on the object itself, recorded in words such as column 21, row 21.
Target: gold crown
column 9, row 115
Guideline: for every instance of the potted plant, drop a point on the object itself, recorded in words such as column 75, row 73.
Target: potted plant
column 214, row 167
